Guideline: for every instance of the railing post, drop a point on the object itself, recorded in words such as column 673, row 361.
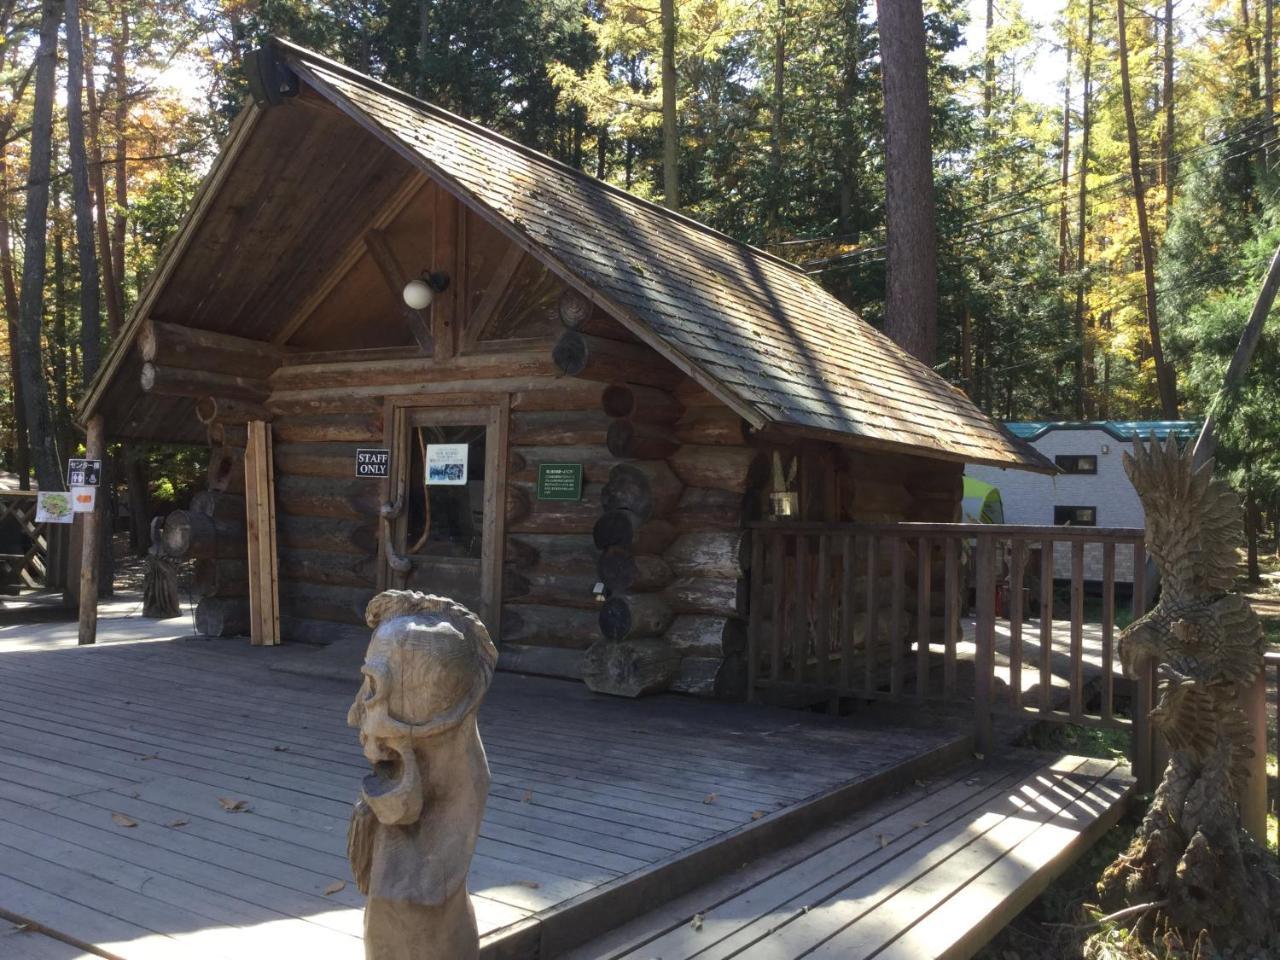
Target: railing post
column 984, row 637
column 755, row 621
column 1253, row 802
column 1144, row 747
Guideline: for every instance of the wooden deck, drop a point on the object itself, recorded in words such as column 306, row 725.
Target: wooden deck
column 114, row 761
column 931, row 875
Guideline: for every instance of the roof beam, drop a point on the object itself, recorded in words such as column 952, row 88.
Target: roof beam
column 385, row 216
column 375, row 241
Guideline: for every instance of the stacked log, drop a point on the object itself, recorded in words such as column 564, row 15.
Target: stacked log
column 211, row 531
column 673, row 554
column 549, row 598
column 326, row 517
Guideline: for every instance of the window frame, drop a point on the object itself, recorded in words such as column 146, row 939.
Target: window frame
column 1062, row 508
column 1075, row 459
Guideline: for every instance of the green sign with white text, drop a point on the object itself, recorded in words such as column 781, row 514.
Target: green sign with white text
column 559, row 481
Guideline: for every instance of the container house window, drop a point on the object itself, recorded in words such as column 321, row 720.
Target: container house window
column 1077, row 463
column 1075, row 516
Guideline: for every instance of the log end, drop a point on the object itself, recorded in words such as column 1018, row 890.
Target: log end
column 630, row 668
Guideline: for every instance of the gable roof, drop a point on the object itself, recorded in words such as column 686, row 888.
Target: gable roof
column 753, row 329
column 757, row 331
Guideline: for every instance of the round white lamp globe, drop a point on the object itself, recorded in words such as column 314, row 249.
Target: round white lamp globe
column 417, row 294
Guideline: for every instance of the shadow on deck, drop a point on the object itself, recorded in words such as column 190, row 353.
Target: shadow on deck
column 114, row 759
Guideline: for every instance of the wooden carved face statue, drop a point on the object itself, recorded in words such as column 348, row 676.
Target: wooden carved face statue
column 425, row 672
column 414, row 829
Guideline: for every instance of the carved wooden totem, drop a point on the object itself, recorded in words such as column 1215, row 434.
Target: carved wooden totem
column 414, row 828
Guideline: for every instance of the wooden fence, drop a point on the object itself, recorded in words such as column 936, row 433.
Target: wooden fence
column 873, row 611
column 24, row 544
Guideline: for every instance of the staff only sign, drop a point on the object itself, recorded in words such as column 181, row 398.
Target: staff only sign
column 373, row 462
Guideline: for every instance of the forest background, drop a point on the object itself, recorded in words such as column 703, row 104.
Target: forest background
column 1048, row 194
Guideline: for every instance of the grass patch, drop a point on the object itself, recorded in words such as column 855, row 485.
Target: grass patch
column 1081, row 741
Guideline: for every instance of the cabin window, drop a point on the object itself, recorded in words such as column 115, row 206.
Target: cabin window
column 1077, row 463
column 445, row 509
column 1075, row 516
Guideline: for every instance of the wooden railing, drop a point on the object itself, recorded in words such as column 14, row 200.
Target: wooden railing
column 24, row 544
column 874, row 611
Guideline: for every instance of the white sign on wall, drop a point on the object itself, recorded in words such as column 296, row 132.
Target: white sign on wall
column 446, row 464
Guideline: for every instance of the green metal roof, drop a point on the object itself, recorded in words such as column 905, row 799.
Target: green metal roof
column 1124, row 430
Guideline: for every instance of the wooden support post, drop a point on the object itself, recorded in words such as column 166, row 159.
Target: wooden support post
column 95, row 441
column 985, row 642
column 260, row 522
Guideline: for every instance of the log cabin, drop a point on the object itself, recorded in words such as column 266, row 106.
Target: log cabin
column 424, row 356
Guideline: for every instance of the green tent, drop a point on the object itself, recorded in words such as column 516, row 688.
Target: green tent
column 981, row 503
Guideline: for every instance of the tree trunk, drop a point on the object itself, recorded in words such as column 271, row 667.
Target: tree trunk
column 119, row 46
column 670, row 151
column 1168, row 110
column 35, row 387
column 111, row 284
column 22, row 451
column 1063, row 217
column 90, row 319
column 911, row 297
column 1082, row 205
column 1268, row 63
column 1164, row 374
column 1251, row 62
column 777, row 192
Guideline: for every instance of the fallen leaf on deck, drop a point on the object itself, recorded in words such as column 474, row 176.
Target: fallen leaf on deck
column 334, row 887
column 921, row 823
column 233, row 806
column 280, row 748
column 696, row 922
column 180, row 822
column 531, row 884
column 120, row 820
column 884, row 840
column 757, row 814
column 920, row 783
column 528, row 796
column 150, row 756
column 709, row 798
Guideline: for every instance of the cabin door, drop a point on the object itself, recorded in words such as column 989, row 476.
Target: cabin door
column 445, row 470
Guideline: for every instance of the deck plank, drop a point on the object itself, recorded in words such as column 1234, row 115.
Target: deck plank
column 588, row 792
column 934, row 877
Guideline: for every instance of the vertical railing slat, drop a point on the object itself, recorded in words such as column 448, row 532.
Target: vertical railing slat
column 1046, row 626
column 1017, row 565
column 924, row 585
column 1143, row 752
column 984, row 637
column 951, row 578
column 1077, row 630
column 870, row 616
column 848, row 613
column 779, row 562
column 755, row 624
column 824, row 599
column 897, row 597
column 800, row 615
column 1108, row 630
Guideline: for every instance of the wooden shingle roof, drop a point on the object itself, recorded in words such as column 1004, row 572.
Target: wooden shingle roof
column 771, row 341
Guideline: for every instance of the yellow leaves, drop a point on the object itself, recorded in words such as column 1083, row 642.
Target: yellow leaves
column 120, row 820
column 233, row 806
column 334, row 887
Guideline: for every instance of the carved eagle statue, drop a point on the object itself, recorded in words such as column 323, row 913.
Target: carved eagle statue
column 1206, row 640
column 1191, row 856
